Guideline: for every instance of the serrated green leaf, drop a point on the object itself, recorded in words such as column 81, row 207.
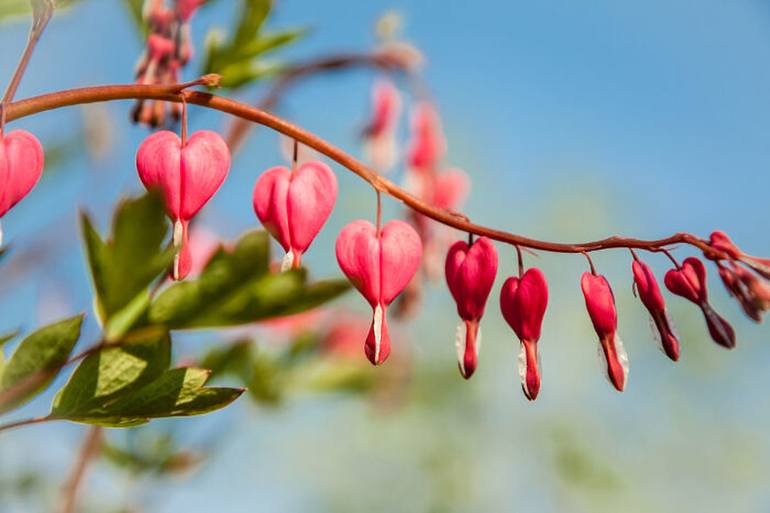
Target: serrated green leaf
column 36, row 362
column 123, row 268
column 111, row 372
column 176, row 393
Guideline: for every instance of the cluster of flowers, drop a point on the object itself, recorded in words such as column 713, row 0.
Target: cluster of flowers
column 169, row 49
column 294, row 203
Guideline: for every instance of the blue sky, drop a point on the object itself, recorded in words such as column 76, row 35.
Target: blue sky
column 576, row 120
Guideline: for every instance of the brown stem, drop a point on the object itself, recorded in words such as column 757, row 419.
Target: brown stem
column 24, row 422
column 42, row 13
column 92, row 443
column 171, row 93
column 384, row 61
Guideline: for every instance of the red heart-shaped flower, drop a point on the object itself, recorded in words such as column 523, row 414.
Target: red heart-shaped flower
column 188, row 177
column 293, row 206
column 380, row 266
column 470, row 274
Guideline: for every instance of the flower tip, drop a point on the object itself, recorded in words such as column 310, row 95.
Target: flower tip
column 467, row 344
column 377, row 346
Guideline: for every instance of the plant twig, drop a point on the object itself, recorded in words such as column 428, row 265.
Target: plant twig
column 170, row 93
column 90, row 448
column 382, row 60
column 41, row 15
column 24, row 422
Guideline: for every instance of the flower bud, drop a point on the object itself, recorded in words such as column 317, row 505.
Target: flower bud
column 470, row 274
column 600, row 303
column 523, row 302
column 21, row 165
column 379, row 264
column 689, row 282
column 294, row 205
column 188, row 176
column 649, row 293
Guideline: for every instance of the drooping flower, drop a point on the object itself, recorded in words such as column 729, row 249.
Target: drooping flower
column 380, row 132
column 188, row 176
column 21, row 165
column 427, row 145
column 294, row 205
column 689, row 282
column 523, row 302
column 600, row 303
column 649, row 293
column 752, row 292
column 379, row 264
column 470, row 274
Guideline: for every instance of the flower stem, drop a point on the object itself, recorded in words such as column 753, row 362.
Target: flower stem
column 170, row 93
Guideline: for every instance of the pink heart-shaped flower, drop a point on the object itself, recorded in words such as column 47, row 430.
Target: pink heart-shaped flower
column 470, row 274
column 188, row 177
column 380, row 266
column 21, row 165
column 293, row 206
column 523, row 302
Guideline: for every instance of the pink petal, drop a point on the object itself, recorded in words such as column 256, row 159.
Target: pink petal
column 470, row 274
column 21, row 165
column 310, row 201
column 205, row 164
column 270, row 205
column 358, row 254
column 401, row 256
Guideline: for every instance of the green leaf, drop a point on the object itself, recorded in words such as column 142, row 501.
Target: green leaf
column 123, row 268
column 236, row 288
column 253, row 14
column 7, row 337
column 237, row 60
column 135, row 8
column 177, row 392
column 11, row 9
column 268, row 42
column 111, row 372
column 36, row 362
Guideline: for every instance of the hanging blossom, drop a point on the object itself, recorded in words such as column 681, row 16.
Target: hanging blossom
column 169, row 49
column 21, row 165
column 380, row 133
column 188, row 173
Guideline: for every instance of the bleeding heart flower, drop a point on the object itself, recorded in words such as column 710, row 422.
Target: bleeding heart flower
column 523, row 302
column 752, row 292
column 379, row 265
column 380, row 132
column 188, row 177
column 689, row 282
column 294, row 205
column 600, row 302
column 720, row 241
column 21, row 165
column 649, row 293
column 470, row 274
column 428, row 144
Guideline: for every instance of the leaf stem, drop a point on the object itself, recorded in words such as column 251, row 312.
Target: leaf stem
column 24, row 422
